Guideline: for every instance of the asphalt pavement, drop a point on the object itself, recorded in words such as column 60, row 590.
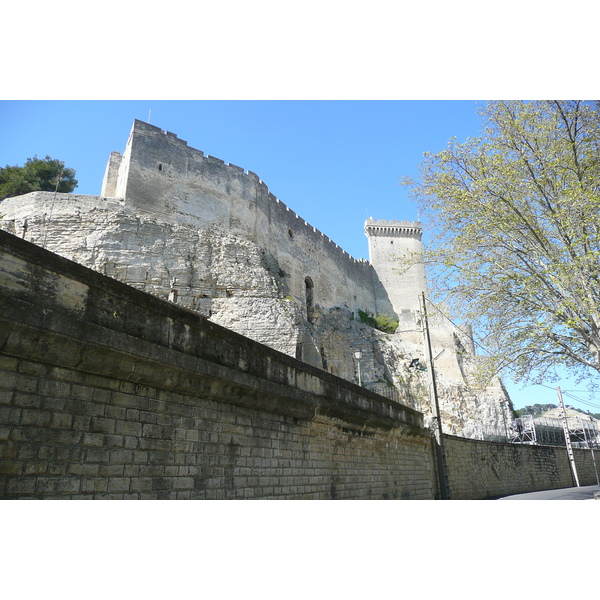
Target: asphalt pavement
column 587, row 492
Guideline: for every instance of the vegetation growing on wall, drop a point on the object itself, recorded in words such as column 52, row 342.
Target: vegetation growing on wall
column 382, row 322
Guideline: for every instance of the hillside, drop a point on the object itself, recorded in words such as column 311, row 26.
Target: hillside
column 551, row 411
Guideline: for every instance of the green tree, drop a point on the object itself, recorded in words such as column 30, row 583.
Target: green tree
column 536, row 410
column 515, row 220
column 36, row 174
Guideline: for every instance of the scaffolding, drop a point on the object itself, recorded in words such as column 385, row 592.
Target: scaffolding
column 548, row 431
column 522, row 431
column 584, row 434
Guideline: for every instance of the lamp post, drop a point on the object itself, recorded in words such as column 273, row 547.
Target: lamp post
column 173, row 293
column 358, row 356
column 503, row 403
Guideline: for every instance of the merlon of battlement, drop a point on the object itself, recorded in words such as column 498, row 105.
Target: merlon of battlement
column 146, row 128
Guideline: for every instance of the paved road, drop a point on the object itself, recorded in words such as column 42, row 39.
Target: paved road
column 571, row 493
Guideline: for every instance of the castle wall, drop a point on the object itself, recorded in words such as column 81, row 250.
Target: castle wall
column 111, row 175
column 171, row 216
column 34, row 216
column 175, row 182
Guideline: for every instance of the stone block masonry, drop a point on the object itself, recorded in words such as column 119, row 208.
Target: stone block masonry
column 479, row 469
column 109, row 392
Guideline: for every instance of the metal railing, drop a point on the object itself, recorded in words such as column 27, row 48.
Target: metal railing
column 402, row 395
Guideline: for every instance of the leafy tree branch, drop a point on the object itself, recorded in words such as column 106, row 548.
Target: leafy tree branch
column 515, row 222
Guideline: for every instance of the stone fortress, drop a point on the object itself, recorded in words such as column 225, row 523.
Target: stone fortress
column 188, row 227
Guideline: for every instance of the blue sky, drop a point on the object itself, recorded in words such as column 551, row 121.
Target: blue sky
column 333, row 162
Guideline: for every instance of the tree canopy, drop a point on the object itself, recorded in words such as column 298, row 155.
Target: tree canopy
column 536, row 410
column 36, row 175
column 515, row 222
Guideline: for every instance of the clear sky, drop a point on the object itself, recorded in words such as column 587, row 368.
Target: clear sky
column 335, row 163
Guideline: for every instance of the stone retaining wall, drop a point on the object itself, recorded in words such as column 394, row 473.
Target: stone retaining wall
column 109, row 392
column 480, row 469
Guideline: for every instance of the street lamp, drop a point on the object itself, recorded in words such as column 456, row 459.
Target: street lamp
column 358, row 356
column 503, row 403
column 173, row 293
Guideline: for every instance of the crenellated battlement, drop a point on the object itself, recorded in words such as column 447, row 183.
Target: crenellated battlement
column 198, row 161
column 162, row 176
column 393, row 228
column 389, row 241
column 153, row 130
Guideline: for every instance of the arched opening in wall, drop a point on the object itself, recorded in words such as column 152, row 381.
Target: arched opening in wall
column 309, row 298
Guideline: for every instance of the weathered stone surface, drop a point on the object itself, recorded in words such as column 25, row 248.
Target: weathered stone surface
column 492, row 470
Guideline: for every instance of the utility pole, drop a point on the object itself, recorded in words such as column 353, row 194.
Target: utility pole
column 58, row 180
column 568, row 437
column 439, row 438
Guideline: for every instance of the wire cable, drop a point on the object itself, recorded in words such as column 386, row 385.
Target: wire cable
column 587, row 403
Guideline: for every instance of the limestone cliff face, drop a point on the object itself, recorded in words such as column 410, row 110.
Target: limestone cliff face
column 230, row 280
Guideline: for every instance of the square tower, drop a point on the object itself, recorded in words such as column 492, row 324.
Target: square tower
column 395, row 251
